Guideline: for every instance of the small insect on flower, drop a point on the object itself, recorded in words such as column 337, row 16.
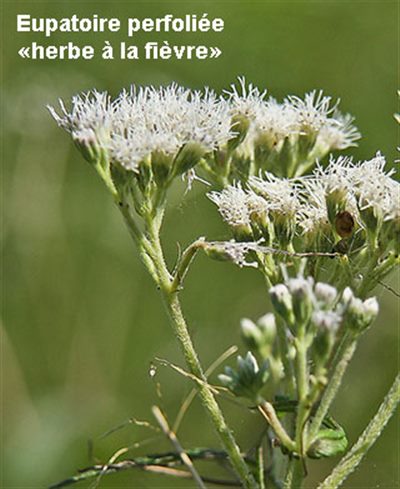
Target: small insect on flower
column 344, row 224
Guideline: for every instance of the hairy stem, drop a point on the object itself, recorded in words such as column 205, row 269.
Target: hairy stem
column 268, row 411
column 172, row 303
column 302, row 410
column 295, row 474
column 344, row 355
column 371, row 433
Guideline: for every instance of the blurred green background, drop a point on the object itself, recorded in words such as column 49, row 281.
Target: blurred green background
column 82, row 321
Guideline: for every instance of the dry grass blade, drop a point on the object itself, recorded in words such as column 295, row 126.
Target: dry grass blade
column 162, row 421
column 214, row 389
column 192, row 394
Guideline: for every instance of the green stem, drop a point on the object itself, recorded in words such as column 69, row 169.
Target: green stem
column 284, row 355
column 268, row 411
column 302, row 410
column 295, row 475
column 172, row 303
column 343, row 357
column 371, row 433
column 185, row 262
column 260, row 467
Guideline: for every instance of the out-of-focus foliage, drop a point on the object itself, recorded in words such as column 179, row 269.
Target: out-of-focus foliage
column 81, row 319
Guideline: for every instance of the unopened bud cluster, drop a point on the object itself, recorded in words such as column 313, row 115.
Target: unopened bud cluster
column 248, row 379
column 303, row 308
column 301, row 303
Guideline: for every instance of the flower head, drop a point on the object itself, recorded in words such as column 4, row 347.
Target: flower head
column 89, row 121
column 245, row 100
column 313, row 112
column 338, row 133
column 280, row 194
column 232, row 203
column 274, row 122
column 144, row 121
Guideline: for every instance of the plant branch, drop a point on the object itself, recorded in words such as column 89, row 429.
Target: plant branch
column 172, row 303
column 268, row 412
column 164, row 463
column 343, row 357
column 369, row 436
column 185, row 262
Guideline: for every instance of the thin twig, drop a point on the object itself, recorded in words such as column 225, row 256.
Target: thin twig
column 156, row 462
column 183, row 474
column 162, row 421
column 133, row 420
column 389, row 288
column 112, row 459
column 274, row 251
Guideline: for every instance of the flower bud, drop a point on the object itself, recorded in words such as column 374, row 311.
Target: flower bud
column 248, row 380
column 251, row 334
column 325, row 294
column 282, row 301
column 188, row 157
column 240, row 126
column 267, row 325
column 302, row 298
column 327, row 323
column 161, row 165
column 359, row 314
column 259, row 337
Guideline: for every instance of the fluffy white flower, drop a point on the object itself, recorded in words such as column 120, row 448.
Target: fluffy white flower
column 338, row 133
column 374, row 187
column 232, row 203
column 276, row 121
column 280, row 194
column 143, row 120
column 313, row 213
column 89, row 119
column 312, row 112
column 336, row 177
column 246, row 99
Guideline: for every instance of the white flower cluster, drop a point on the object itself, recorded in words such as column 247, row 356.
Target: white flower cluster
column 352, row 187
column 262, row 196
column 142, row 121
column 90, row 117
column 145, row 121
column 276, row 121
